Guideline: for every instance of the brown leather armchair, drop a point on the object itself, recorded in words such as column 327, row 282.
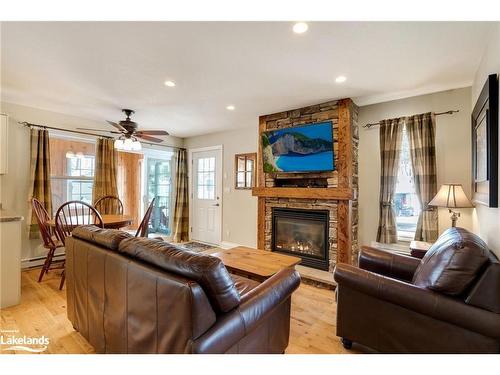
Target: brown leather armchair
column 139, row 295
column 398, row 304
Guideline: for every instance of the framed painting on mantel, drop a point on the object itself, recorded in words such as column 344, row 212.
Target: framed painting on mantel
column 485, row 145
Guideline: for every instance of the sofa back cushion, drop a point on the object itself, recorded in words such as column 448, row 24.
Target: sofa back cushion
column 452, row 262
column 206, row 270
column 108, row 238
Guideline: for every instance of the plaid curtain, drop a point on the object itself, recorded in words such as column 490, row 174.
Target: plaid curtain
column 390, row 148
column 105, row 172
column 180, row 224
column 40, row 176
column 421, row 131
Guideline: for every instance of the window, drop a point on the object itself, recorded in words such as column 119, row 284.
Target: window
column 245, row 171
column 205, row 182
column 406, row 203
column 72, row 171
column 80, row 189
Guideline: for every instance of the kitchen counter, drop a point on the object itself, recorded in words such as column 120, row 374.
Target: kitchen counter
column 10, row 258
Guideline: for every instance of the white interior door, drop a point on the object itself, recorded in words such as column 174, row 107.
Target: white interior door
column 206, row 196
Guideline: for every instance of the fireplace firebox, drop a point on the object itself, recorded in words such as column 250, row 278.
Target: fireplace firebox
column 302, row 233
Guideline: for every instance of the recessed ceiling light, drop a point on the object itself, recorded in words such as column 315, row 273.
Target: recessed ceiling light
column 340, row 79
column 300, row 27
column 230, row 107
column 170, row 83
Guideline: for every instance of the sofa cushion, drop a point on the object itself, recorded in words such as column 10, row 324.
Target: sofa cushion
column 109, row 238
column 452, row 262
column 244, row 285
column 206, row 270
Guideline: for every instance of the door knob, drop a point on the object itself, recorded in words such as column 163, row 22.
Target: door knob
column 216, row 205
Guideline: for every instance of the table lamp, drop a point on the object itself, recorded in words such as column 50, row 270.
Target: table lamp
column 451, row 196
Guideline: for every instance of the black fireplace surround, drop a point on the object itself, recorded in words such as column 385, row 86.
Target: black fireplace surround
column 302, row 233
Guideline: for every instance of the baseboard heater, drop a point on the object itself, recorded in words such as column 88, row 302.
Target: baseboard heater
column 38, row 261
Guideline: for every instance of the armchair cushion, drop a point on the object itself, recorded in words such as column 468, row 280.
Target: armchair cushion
column 452, row 263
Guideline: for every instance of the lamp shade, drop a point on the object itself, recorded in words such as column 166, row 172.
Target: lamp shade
column 451, row 196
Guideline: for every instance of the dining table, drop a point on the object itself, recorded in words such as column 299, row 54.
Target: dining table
column 109, row 221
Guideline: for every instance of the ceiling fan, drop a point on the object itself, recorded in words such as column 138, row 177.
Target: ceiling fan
column 129, row 133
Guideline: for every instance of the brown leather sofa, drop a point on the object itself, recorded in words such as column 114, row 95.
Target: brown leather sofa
column 448, row 302
column 139, row 295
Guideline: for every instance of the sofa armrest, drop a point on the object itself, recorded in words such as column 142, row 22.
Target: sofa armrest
column 385, row 263
column 260, row 301
column 255, row 305
column 421, row 300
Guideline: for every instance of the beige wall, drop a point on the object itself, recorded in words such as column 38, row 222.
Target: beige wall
column 452, row 152
column 486, row 221
column 239, row 211
column 15, row 185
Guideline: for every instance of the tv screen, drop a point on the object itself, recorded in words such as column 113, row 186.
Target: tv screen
column 306, row 148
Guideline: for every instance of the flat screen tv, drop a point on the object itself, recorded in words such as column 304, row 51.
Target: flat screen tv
column 306, row 148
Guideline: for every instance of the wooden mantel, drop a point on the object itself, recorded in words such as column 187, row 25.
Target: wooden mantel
column 311, row 193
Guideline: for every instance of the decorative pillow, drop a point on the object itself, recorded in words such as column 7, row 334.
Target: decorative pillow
column 452, row 262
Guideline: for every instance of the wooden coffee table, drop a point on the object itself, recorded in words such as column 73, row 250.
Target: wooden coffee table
column 255, row 264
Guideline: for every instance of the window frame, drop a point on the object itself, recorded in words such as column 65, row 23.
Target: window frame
column 247, row 156
column 155, row 160
column 202, row 172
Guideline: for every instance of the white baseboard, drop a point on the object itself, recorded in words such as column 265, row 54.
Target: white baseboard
column 228, row 245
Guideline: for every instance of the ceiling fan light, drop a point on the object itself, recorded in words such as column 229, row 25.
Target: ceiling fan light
column 136, row 146
column 119, row 144
column 127, row 144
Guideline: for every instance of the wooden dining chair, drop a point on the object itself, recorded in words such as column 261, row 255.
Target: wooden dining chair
column 71, row 215
column 50, row 241
column 109, row 204
column 142, row 231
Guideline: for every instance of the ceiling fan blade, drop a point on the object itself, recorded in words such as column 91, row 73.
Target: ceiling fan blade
column 152, row 132
column 148, row 138
column 118, row 126
column 99, row 130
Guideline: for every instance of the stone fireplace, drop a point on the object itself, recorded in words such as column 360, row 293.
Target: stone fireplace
column 303, row 233
column 333, row 194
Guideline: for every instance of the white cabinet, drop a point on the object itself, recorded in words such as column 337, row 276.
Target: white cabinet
column 4, row 152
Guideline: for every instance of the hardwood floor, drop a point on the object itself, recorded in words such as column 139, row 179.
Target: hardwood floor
column 43, row 312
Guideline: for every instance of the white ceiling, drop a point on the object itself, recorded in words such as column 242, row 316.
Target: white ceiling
column 93, row 69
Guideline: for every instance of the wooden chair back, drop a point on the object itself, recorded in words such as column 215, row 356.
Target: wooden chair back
column 42, row 217
column 110, row 205
column 73, row 214
column 142, row 231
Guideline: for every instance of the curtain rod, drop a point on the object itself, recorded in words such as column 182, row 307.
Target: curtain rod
column 30, row 125
column 450, row 112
